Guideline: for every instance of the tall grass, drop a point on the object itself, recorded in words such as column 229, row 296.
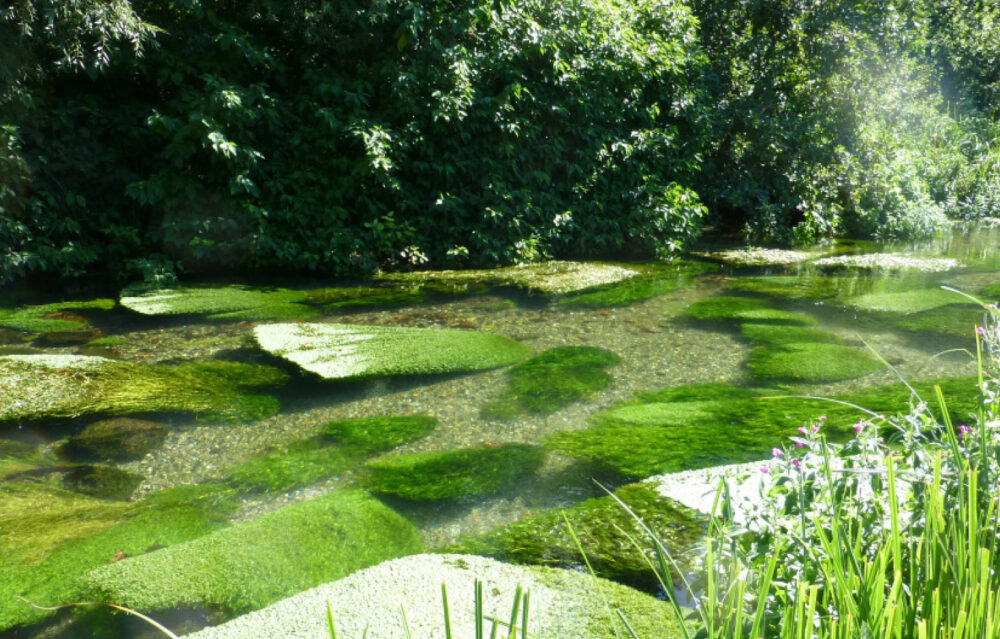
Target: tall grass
column 885, row 537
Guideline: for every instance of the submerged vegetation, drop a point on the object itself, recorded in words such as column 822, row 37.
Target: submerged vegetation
column 462, row 472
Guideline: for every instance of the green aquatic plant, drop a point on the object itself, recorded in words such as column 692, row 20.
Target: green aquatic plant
column 248, row 566
column 377, row 434
column 104, row 482
column 953, row 320
column 775, row 334
column 118, row 439
column 299, row 464
column 233, row 302
column 912, row 301
column 553, row 379
column 450, row 474
column 45, row 386
column 810, row 363
column 346, row 351
column 48, row 318
column 664, row 280
column 51, row 538
column 604, row 531
column 685, row 427
column 743, row 309
column 797, row 287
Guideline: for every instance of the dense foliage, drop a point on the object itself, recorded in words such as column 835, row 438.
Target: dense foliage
column 145, row 137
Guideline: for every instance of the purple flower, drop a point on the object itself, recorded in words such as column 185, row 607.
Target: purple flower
column 765, row 469
column 963, row 430
column 796, row 463
column 858, row 427
column 802, row 430
column 799, row 444
column 775, row 452
column 815, row 428
column 979, row 330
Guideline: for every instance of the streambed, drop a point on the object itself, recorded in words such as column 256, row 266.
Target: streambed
column 890, row 303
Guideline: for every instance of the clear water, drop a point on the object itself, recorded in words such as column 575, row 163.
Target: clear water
column 658, row 346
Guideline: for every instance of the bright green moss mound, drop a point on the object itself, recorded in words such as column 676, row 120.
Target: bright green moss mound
column 51, row 317
column 556, row 378
column 450, row 474
column 50, row 538
column 905, row 301
column 798, row 287
column 376, row 434
column 743, row 309
column 810, row 363
column 639, row 288
column 603, row 528
column 249, row 566
column 300, row 464
column 777, row 334
column 317, row 458
column 346, row 351
column 34, row 387
column 233, row 302
column 954, row 320
column 687, row 427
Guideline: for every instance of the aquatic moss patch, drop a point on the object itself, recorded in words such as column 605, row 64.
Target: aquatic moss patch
column 451, row 474
column 233, row 302
column 688, row 427
column 119, row 439
column 376, row 434
column 249, row 566
column 554, row 379
column 563, row 604
column 798, row 287
column 811, row 363
column 549, row 278
column 55, row 538
column 300, row 464
column 47, row 318
column 603, row 528
column 759, row 256
column 103, row 482
column 777, row 334
column 34, row 387
column 954, row 320
column 743, row 309
column 905, row 301
column 345, row 351
column 669, row 278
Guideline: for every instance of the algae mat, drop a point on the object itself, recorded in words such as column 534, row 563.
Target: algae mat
column 346, row 351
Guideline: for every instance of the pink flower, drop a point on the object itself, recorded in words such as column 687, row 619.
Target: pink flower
column 799, row 444
column 822, row 418
column 963, row 430
column 816, row 428
column 979, row 330
column 796, row 463
column 765, row 469
column 802, row 431
column 858, row 427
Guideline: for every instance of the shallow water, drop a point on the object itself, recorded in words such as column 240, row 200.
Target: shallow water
column 658, row 345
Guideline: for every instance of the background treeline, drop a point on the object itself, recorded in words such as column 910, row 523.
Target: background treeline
column 143, row 137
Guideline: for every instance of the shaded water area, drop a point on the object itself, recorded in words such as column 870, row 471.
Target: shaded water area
column 667, row 336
